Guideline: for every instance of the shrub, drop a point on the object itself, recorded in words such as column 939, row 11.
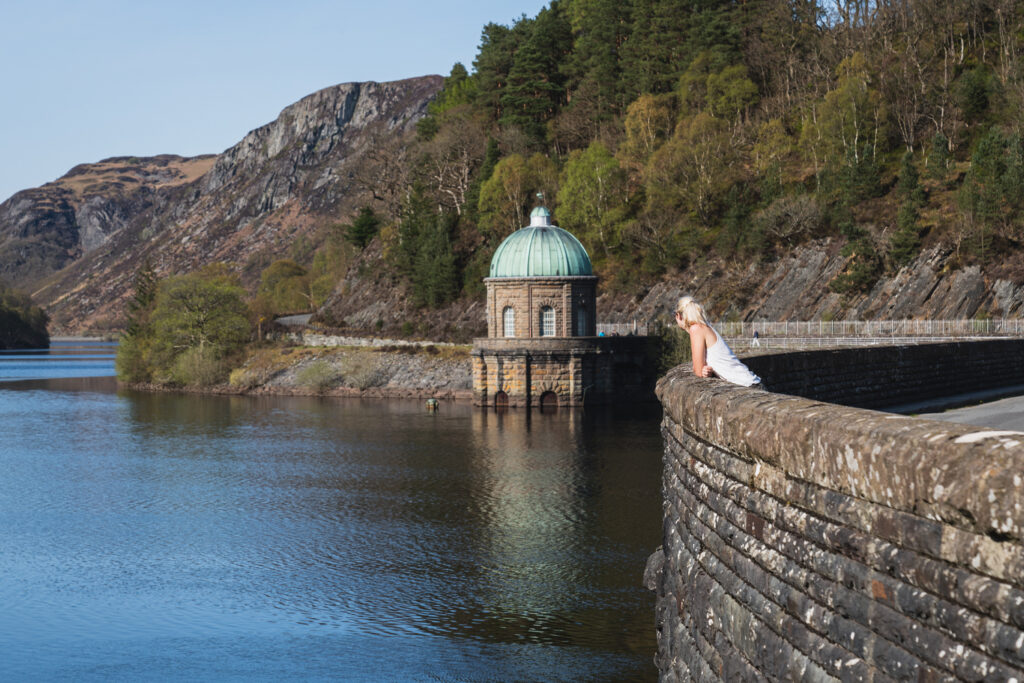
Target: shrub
column 361, row 370
column 790, row 219
column 200, row 366
column 318, row 375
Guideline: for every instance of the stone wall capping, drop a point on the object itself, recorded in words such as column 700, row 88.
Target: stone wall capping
column 962, row 475
column 804, row 539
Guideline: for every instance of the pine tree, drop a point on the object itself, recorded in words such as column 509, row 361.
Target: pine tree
column 536, row 85
column 141, row 303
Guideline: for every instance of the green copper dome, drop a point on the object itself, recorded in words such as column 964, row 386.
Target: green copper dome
column 540, row 250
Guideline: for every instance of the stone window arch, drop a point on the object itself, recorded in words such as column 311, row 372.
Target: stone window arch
column 547, row 321
column 508, row 322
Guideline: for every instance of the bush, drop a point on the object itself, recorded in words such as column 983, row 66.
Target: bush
column 132, row 362
column 361, row 370
column 673, row 347
column 200, row 367
column 790, row 219
column 318, row 375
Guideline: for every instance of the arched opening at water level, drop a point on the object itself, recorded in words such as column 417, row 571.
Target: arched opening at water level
column 549, row 401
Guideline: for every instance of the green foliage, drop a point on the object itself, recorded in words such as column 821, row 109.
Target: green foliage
column 909, row 184
column 863, row 263
column 905, row 242
column 318, row 375
column 132, row 362
column 730, row 92
column 592, row 191
column 141, row 303
column 973, row 90
column 22, row 323
column 992, row 194
column 459, row 89
column 424, row 253
column 284, row 287
column 938, row 157
column 536, row 84
column 364, row 228
column 435, row 275
column 199, row 367
column 506, row 197
column 195, row 322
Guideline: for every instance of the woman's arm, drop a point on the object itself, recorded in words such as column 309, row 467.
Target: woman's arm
column 698, row 349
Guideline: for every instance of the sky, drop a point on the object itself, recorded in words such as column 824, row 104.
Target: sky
column 83, row 80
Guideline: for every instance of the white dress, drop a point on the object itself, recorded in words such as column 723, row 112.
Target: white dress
column 727, row 366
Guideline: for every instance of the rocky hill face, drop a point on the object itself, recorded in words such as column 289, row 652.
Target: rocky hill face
column 283, row 182
column 794, row 287
column 790, row 287
column 46, row 228
column 76, row 243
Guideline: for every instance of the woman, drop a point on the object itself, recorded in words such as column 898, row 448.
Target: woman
column 711, row 355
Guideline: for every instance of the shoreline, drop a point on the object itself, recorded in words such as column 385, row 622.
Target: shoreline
column 336, row 392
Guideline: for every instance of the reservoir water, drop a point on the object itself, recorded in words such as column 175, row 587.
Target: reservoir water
column 179, row 537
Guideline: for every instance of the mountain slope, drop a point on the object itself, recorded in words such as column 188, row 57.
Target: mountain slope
column 44, row 229
column 283, row 182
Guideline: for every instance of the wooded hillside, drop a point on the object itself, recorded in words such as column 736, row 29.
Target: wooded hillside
column 664, row 131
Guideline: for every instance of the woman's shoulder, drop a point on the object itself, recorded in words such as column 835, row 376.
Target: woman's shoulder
column 701, row 329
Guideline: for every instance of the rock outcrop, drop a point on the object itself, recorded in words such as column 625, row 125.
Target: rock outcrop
column 283, row 182
column 44, row 229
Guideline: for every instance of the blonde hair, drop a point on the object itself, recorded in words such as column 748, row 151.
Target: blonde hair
column 692, row 311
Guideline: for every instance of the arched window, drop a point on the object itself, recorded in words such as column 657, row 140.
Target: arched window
column 581, row 321
column 508, row 317
column 547, row 322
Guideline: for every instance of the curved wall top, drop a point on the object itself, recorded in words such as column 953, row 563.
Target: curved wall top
column 811, row 540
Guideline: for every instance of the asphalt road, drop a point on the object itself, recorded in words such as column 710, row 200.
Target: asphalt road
column 1007, row 413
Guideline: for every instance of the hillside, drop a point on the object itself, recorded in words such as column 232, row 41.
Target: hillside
column 44, row 229
column 779, row 160
column 273, row 194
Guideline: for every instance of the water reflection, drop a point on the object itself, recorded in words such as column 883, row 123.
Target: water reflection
column 463, row 544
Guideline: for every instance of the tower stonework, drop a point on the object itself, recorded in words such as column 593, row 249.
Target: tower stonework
column 542, row 346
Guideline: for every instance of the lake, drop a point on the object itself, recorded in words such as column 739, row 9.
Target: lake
column 180, row 537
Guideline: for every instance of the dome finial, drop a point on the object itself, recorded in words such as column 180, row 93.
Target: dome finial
column 540, row 217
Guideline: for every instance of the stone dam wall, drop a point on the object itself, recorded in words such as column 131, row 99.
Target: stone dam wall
column 813, row 541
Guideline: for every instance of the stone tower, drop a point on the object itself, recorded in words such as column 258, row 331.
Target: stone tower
column 541, row 346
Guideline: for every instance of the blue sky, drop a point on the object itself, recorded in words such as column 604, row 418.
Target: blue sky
column 89, row 79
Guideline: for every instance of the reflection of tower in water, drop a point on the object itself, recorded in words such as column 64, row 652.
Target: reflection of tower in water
column 532, row 498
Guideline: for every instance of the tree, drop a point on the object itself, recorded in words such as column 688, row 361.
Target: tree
column 506, row 196
column 363, row 228
column 693, row 170
column 536, row 85
column 592, row 189
column 141, row 304
column 284, row 287
column 648, row 124
column 201, row 309
column 435, row 274
column 22, row 323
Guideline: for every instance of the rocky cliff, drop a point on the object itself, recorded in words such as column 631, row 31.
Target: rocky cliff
column 282, row 183
column 795, row 287
column 46, row 228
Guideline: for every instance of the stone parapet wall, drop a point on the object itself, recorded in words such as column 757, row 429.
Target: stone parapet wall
column 887, row 376
column 811, row 541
